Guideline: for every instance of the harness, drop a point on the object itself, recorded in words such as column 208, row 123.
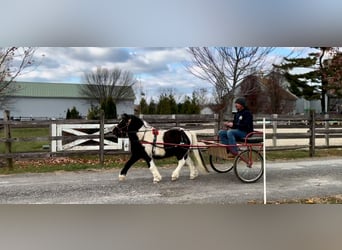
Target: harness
column 155, row 133
column 155, row 144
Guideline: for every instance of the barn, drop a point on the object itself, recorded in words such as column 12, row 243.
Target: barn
column 37, row 100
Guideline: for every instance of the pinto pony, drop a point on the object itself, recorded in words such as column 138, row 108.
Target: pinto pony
column 148, row 143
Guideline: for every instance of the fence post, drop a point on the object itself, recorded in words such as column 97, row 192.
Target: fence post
column 217, row 124
column 8, row 143
column 312, row 123
column 274, row 124
column 101, row 137
column 53, row 133
column 326, row 126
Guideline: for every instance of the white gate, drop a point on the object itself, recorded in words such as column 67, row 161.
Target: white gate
column 84, row 144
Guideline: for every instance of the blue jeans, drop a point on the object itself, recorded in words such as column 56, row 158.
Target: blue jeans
column 230, row 136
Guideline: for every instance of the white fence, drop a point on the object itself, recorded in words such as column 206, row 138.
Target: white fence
column 79, row 130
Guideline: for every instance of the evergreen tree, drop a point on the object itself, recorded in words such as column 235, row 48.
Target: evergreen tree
column 93, row 113
column 68, row 114
column 163, row 106
column 73, row 113
column 144, row 108
column 109, row 108
column 180, row 108
column 186, row 107
column 152, row 107
column 173, row 104
column 311, row 84
column 195, row 107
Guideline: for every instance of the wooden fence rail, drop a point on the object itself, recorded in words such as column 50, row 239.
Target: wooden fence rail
column 312, row 128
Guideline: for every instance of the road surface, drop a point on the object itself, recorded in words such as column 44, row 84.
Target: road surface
column 284, row 180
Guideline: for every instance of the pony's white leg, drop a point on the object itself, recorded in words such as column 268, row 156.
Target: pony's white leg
column 175, row 173
column 192, row 168
column 154, row 170
column 122, row 177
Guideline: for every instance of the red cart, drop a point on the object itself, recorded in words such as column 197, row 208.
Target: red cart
column 248, row 165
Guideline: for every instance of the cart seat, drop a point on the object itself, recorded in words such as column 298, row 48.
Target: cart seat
column 253, row 137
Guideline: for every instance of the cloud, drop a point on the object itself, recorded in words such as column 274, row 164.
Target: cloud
column 156, row 68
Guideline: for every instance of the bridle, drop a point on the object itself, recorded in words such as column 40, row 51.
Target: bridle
column 124, row 128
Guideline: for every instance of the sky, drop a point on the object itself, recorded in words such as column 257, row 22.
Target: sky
column 157, row 69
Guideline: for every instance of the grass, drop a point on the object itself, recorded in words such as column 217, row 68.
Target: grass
column 336, row 199
column 302, row 154
column 29, row 146
column 76, row 163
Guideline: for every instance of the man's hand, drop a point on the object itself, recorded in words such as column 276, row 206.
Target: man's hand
column 228, row 124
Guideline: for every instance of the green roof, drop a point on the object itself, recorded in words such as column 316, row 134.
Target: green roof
column 52, row 90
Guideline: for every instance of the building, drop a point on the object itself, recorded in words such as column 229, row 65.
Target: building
column 52, row 100
column 267, row 94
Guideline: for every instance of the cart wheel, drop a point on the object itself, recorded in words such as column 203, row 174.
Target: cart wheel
column 220, row 165
column 249, row 166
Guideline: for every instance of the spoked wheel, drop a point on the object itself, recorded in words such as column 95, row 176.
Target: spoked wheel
column 221, row 164
column 249, row 166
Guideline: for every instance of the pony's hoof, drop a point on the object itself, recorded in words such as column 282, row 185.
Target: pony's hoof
column 192, row 177
column 157, row 179
column 174, row 178
column 122, row 177
column 175, row 175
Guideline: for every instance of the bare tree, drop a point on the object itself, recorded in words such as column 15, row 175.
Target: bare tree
column 253, row 88
column 225, row 68
column 103, row 83
column 280, row 100
column 201, row 95
column 268, row 94
column 208, row 64
column 13, row 62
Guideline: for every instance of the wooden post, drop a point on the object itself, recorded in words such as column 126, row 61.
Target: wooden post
column 326, row 126
column 312, row 123
column 101, row 138
column 174, row 117
column 217, row 124
column 274, row 124
column 8, row 144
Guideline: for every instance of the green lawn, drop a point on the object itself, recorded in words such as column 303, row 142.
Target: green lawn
column 29, row 146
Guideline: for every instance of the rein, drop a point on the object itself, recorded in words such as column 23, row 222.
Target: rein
column 122, row 128
column 154, row 143
column 155, row 132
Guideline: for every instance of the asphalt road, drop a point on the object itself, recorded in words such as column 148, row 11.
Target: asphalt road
column 284, row 180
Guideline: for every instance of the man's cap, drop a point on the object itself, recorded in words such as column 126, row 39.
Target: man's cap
column 241, row 101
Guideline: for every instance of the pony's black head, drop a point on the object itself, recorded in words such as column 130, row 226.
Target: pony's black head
column 121, row 129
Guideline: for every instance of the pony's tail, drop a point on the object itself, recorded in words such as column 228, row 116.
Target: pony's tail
column 199, row 162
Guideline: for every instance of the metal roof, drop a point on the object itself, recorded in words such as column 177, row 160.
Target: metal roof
column 51, row 90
